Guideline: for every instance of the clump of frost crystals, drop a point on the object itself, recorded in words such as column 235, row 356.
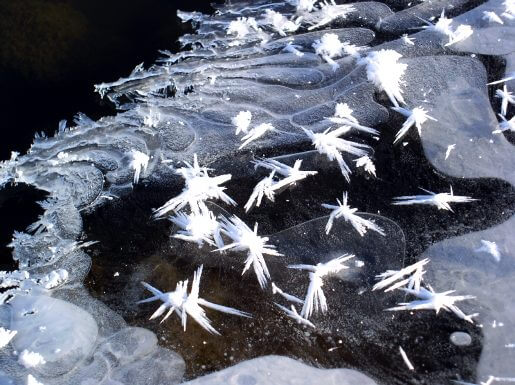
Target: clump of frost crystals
column 199, row 227
column 268, row 186
column 343, row 210
column 327, row 12
column 416, row 117
column 184, row 304
column 315, row 297
column 329, row 47
column 6, row 336
column 430, row 300
column 444, row 27
column 246, row 239
column 329, row 143
column 139, row 163
column 279, row 22
column 440, row 200
column 242, row 26
column 394, row 279
column 303, row 6
column 385, row 71
column 242, row 121
column 199, row 187
column 343, row 115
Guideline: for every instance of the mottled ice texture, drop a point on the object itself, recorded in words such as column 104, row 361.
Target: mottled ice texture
column 184, row 105
column 280, row 370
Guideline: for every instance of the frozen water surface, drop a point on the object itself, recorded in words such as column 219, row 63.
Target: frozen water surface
column 73, row 301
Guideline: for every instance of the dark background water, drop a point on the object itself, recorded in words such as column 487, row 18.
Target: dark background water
column 52, row 52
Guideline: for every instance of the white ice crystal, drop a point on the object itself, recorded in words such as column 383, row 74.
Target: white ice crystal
column 139, row 163
column 440, row 200
column 327, row 12
column 6, row 336
column 492, row 17
column 30, row 359
column 507, row 78
column 245, row 239
column 294, row 49
column 330, row 144
column 198, row 227
column 184, row 304
column 385, row 71
column 406, row 359
column 506, row 97
column 367, row 164
column 444, row 27
column 279, row 22
column 264, row 188
column 288, row 297
column 416, row 116
column 490, row 248
column 394, row 279
column 294, row 315
column 256, row 133
column 505, row 125
column 429, row 300
column 315, row 297
column 242, row 121
column 450, row 147
column 31, row 380
column 343, row 210
column 242, row 26
column 330, row 47
column 291, row 174
column 199, row 187
column 53, row 279
column 408, row 40
column 343, row 115
column 269, row 186
column 303, row 6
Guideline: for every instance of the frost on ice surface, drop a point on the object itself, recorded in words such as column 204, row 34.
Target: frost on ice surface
column 343, row 210
column 343, row 115
column 326, row 12
column 429, row 300
column 256, row 133
column 492, row 17
column 441, row 200
column 315, row 297
column 293, row 314
column 406, row 359
column 139, row 163
column 444, row 27
column 291, row 175
column 242, row 121
column 330, row 47
column 199, row 227
column 416, row 117
column 329, row 143
column 394, row 279
column 184, row 304
column 264, row 188
column 385, row 71
column 505, row 125
column 367, row 164
column 490, row 248
column 31, row 380
column 30, row 359
column 245, row 239
column 242, row 26
column 199, row 187
column 288, row 297
column 6, row 336
column 506, row 97
column 279, row 22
